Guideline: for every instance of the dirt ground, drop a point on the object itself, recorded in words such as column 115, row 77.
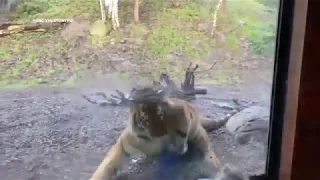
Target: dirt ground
column 55, row 134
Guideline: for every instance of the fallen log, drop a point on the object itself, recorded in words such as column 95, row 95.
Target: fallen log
column 188, row 91
column 14, row 28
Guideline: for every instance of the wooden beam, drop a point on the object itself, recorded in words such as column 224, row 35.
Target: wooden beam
column 296, row 52
column 306, row 152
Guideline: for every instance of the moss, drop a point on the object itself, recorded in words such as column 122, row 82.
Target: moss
column 100, row 29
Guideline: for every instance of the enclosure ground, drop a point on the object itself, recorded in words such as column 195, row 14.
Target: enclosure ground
column 55, row 134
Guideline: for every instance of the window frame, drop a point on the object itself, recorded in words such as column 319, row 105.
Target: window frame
column 285, row 90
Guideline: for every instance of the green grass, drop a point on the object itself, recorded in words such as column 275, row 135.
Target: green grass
column 166, row 40
column 171, row 31
column 66, row 9
column 15, row 71
column 25, row 52
column 175, row 35
column 260, row 24
column 5, row 54
column 176, row 31
column 25, row 47
column 232, row 41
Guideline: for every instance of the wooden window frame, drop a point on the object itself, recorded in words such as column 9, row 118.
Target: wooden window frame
column 293, row 86
column 294, row 138
column 290, row 43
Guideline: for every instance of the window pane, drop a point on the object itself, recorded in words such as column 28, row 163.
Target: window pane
column 60, row 64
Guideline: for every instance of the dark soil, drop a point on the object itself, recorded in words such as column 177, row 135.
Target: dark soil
column 55, row 134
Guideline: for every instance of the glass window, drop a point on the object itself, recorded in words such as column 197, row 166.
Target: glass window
column 63, row 62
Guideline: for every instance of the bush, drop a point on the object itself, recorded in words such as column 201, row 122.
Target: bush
column 29, row 8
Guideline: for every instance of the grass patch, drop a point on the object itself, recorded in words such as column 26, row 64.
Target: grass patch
column 175, row 31
column 260, row 24
column 53, row 9
column 232, row 41
column 5, row 54
column 16, row 71
column 24, row 49
column 23, row 53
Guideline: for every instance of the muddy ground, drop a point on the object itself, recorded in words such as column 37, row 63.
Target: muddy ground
column 50, row 133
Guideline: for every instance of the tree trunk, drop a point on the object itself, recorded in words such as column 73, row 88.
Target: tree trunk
column 215, row 16
column 224, row 8
column 136, row 11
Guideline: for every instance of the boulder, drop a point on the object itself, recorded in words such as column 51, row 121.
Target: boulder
column 100, row 28
column 250, row 124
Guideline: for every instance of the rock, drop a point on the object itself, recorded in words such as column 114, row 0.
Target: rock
column 203, row 27
column 253, row 112
column 250, row 124
column 100, row 28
